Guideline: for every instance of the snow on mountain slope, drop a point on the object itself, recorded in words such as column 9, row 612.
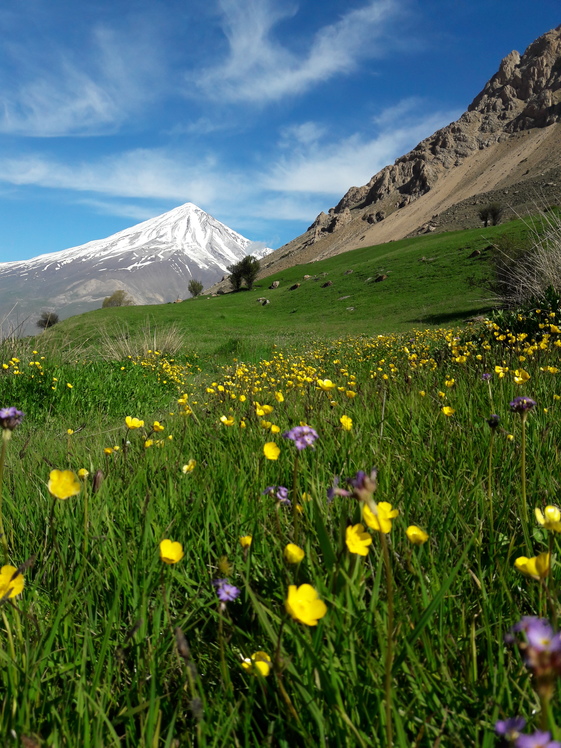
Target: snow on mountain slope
column 152, row 261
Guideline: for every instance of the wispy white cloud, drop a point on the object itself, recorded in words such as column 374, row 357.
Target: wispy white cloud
column 48, row 90
column 303, row 179
column 259, row 68
column 331, row 168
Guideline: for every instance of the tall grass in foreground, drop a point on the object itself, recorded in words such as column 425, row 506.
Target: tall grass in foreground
column 109, row 645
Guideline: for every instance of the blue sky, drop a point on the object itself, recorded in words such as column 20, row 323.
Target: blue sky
column 261, row 112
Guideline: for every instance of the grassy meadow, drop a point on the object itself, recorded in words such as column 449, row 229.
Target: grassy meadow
column 276, row 538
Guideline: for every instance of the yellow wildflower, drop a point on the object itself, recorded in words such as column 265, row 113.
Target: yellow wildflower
column 246, row 541
column 448, row 411
column 536, row 567
column 416, row 535
column 293, row 553
column 304, row 605
column 271, row 451
column 258, row 663
column 357, row 539
column 133, row 423
column 346, row 423
column 550, row 518
column 189, row 467
column 382, row 520
column 63, row 484
column 11, row 582
column 171, row 552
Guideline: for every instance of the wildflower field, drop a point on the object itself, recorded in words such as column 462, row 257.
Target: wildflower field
column 346, row 543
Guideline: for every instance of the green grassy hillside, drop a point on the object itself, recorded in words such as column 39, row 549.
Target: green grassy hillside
column 431, row 280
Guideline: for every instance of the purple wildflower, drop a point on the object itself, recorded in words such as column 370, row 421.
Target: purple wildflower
column 493, row 421
column 522, row 405
column 280, row 493
column 541, row 651
column 364, row 484
column 538, row 740
column 10, row 418
column 510, row 728
column 486, row 376
column 302, row 436
column 334, row 490
column 226, row 592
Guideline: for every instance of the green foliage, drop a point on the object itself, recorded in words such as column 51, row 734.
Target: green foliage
column 244, row 271
column 491, row 213
column 47, row 319
column 195, row 288
column 117, row 298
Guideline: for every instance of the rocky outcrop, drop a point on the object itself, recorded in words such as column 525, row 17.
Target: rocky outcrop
column 524, row 93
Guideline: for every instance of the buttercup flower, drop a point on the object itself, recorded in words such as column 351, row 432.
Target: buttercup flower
column 157, row 426
column 346, row 423
column 226, row 592
column 189, row 467
column 293, row 553
column 63, row 484
column 171, row 552
column 271, row 451
column 325, row 384
column 227, row 421
column 133, row 423
column 357, row 539
column 448, row 411
column 304, row 605
column 11, row 582
column 83, row 473
column 259, row 662
column 550, row 518
column 416, row 535
column 302, row 436
column 246, row 541
column 382, row 521
column 536, row 567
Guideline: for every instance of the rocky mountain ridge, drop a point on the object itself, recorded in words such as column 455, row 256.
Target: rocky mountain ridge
column 505, row 142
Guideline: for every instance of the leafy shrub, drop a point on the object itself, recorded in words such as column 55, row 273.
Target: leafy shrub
column 118, row 298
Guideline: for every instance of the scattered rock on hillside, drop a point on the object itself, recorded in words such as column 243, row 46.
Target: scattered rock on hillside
column 274, row 284
column 475, row 253
column 380, row 278
column 326, row 284
column 294, row 287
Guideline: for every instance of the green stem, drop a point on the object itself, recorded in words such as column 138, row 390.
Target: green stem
column 490, row 481
column 295, row 498
column 523, row 486
column 389, row 642
column 2, row 533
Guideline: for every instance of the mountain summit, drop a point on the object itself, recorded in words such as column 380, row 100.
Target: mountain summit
column 152, row 261
column 506, row 147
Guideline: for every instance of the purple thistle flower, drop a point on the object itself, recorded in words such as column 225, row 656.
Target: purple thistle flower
column 226, row 592
column 522, row 405
column 510, row 728
column 10, row 418
column 302, row 436
column 538, row 740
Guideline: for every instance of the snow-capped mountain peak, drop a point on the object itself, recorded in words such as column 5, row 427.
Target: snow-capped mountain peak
column 152, row 261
